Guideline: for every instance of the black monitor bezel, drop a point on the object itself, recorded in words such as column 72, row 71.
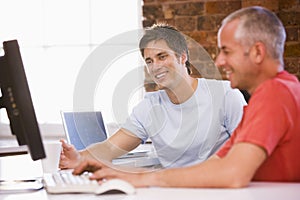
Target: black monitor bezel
column 16, row 99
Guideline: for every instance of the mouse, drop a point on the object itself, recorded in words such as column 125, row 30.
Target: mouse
column 115, row 186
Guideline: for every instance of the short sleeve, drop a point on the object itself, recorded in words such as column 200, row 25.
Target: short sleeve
column 265, row 119
column 135, row 123
column 233, row 105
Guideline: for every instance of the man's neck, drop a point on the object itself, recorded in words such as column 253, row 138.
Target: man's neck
column 183, row 91
column 268, row 72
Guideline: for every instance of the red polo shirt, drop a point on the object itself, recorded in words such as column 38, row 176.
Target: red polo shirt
column 272, row 121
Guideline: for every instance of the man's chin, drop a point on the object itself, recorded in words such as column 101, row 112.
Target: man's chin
column 233, row 85
column 161, row 87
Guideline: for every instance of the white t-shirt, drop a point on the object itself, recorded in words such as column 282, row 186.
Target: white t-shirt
column 188, row 133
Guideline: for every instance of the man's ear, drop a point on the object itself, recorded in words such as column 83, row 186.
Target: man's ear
column 258, row 52
column 183, row 58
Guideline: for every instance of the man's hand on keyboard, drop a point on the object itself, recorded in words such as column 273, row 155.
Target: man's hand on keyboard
column 89, row 165
column 69, row 157
column 104, row 171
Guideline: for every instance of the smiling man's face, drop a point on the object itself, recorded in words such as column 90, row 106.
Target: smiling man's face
column 234, row 59
column 164, row 66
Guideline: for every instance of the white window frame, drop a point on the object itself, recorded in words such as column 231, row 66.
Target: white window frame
column 43, row 13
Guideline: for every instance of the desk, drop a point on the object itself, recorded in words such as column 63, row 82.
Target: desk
column 22, row 167
column 256, row 191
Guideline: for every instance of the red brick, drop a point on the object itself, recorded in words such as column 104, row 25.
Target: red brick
column 222, row 7
column 292, row 49
column 292, row 65
column 187, row 9
column 272, row 5
column 152, row 12
column 292, row 33
column 291, row 18
column 185, row 23
column 288, row 4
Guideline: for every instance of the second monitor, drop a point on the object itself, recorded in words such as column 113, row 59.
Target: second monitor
column 83, row 128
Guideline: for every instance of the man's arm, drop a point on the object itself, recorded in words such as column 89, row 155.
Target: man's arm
column 118, row 144
column 233, row 171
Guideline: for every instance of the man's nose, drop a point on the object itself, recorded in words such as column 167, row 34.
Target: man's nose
column 220, row 61
column 156, row 64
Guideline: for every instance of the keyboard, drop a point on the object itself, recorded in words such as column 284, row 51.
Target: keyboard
column 65, row 182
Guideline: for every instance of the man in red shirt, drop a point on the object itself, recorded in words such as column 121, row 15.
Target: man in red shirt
column 265, row 145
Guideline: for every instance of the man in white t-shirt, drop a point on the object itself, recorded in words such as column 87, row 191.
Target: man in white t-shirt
column 187, row 120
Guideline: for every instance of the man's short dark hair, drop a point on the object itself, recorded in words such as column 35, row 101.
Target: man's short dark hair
column 174, row 39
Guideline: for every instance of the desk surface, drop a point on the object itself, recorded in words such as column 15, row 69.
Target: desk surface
column 256, row 191
column 22, row 167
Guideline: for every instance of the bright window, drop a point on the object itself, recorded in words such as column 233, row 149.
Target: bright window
column 56, row 38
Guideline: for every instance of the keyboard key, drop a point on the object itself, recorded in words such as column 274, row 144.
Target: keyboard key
column 65, row 182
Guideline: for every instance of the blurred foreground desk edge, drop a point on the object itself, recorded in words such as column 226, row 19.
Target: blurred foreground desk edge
column 256, row 191
column 15, row 167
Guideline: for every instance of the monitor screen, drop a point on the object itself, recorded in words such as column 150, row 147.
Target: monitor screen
column 16, row 99
column 83, row 128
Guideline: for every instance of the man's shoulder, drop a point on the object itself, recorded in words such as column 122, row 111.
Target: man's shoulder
column 282, row 83
column 154, row 97
column 214, row 81
column 153, row 94
column 216, row 84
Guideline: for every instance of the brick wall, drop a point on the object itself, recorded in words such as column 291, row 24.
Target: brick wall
column 200, row 20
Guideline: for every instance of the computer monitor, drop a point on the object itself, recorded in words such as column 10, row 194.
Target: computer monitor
column 83, row 128
column 16, row 99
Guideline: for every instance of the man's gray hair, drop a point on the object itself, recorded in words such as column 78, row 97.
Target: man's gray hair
column 258, row 24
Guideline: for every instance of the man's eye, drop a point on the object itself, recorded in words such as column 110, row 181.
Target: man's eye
column 148, row 62
column 225, row 52
column 162, row 57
